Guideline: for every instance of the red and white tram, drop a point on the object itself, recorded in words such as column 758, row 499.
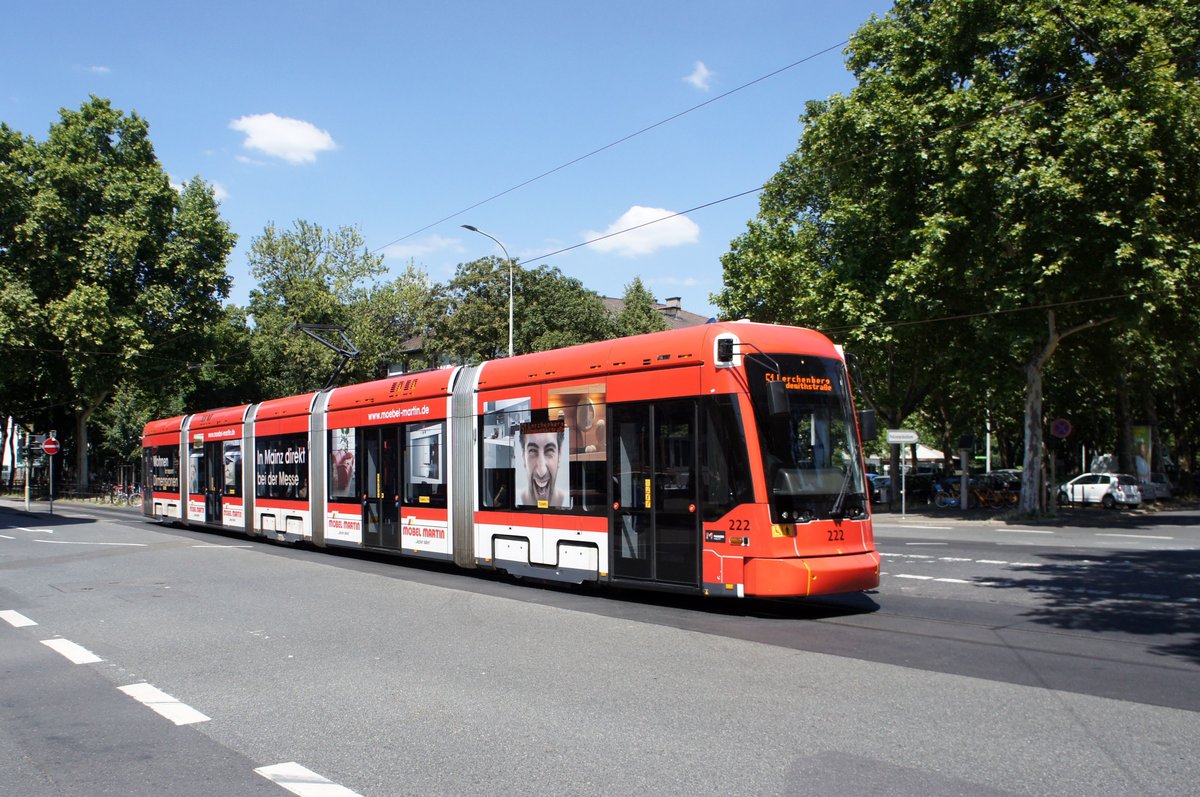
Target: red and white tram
column 724, row 459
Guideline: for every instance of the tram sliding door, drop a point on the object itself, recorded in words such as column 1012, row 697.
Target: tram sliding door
column 380, row 447
column 214, row 482
column 656, row 527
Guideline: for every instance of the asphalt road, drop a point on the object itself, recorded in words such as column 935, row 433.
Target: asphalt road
column 994, row 659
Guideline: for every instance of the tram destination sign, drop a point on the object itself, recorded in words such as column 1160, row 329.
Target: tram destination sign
column 901, row 436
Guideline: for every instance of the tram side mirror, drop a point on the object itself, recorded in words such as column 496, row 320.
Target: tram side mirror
column 777, row 400
column 725, row 350
column 867, row 427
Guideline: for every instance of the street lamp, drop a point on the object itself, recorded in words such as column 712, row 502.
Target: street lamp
column 510, row 282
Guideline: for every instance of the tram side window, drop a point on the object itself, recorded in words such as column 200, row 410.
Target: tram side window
column 724, row 461
column 281, row 467
column 501, row 425
column 425, row 464
column 546, row 460
column 343, row 476
column 232, row 456
column 584, row 413
column 162, row 469
column 196, row 469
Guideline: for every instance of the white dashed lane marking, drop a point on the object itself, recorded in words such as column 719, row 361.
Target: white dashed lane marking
column 15, row 619
column 159, row 701
column 304, row 782
column 76, row 654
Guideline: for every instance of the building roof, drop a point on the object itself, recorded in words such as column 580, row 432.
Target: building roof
column 672, row 312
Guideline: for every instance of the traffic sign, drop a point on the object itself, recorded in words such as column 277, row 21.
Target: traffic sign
column 1060, row 428
column 902, row 436
column 50, row 446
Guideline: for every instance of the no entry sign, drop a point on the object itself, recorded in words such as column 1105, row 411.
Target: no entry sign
column 50, row 446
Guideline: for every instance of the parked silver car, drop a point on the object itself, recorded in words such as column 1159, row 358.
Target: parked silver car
column 1109, row 489
column 1157, row 488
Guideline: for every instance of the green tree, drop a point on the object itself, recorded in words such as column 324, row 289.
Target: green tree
column 307, row 275
column 638, row 313
column 393, row 318
column 550, row 311
column 558, row 311
column 1027, row 168
column 17, row 300
column 119, row 275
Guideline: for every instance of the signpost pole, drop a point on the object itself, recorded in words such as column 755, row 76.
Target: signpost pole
column 964, row 484
column 902, row 437
column 50, row 448
column 28, row 443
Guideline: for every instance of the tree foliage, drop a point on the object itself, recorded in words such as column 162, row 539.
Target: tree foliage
column 1021, row 171
column 638, row 313
column 306, row 275
column 549, row 311
column 110, row 274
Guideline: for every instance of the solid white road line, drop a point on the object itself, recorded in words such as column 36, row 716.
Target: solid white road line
column 15, row 619
column 72, row 542
column 1134, row 536
column 76, row 654
column 1024, row 531
column 162, row 703
column 302, row 781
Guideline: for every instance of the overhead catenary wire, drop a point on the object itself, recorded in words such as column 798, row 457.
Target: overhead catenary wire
column 881, row 148
column 612, row 144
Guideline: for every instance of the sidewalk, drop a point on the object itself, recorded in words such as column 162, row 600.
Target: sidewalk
column 1172, row 512
column 41, row 506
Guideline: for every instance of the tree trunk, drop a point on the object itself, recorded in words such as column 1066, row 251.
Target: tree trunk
column 81, row 456
column 8, row 424
column 1124, row 427
column 82, row 475
column 1031, row 478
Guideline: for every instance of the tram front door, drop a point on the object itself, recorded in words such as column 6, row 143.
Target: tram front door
column 655, row 524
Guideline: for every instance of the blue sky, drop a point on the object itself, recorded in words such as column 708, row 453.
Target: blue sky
column 394, row 117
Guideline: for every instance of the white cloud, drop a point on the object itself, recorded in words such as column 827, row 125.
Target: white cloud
column 294, row 140
column 99, row 70
column 672, row 230
column 422, row 248
column 676, row 282
column 701, row 76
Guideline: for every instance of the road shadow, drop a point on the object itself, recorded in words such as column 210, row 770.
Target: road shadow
column 605, row 598
column 11, row 516
column 1139, row 593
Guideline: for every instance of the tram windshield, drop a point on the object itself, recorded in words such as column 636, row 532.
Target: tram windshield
column 810, row 445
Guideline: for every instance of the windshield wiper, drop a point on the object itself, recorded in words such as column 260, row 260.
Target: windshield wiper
column 837, row 511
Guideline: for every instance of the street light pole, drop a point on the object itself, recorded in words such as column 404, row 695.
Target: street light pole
column 510, row 282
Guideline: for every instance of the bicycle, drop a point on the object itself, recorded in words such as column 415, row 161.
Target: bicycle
column 127, row 494
column 945, row 499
